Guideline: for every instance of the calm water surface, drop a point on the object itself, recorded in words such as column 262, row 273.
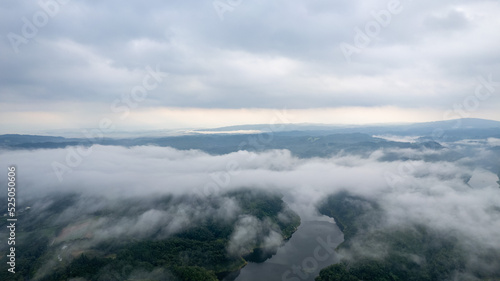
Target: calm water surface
column 310, row 248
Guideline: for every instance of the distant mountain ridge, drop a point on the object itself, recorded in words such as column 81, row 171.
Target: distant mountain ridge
column 454, row 124
column 304, row 139
column 464, row 123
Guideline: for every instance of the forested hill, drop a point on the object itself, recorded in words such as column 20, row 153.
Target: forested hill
column 164, row 238
column 406, row 252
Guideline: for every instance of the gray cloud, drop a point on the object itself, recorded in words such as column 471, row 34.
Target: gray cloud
column 262, row 55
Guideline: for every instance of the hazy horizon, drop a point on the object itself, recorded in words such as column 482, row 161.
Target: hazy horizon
column 130, row 132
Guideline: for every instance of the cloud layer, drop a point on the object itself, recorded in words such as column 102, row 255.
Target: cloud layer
column 434, row 193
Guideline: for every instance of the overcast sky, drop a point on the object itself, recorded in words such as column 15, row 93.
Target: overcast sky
column 179, row 64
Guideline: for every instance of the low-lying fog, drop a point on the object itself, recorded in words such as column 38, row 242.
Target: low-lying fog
column 437, row 194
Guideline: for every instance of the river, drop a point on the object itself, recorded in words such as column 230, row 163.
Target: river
column 300, row 258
